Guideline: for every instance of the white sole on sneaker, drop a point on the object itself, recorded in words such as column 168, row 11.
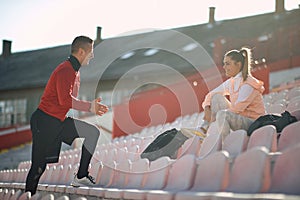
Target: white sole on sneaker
column 192, row 132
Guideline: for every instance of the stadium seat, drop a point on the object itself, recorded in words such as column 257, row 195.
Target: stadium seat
column 296, row 113
column 104, row 180
column 155, row 179
column 212, row 176
column 133, row 153
column 25, row 196
column 134, row 179
column 21, row 175
column 185, row 168
column 295, row 92
column 282, row 101
column 211, row 144
column 280, row 95
column 8, row 194
column 289, row 136
column 65, row 178
column 67, row 174
column 24, row 165
column 120, row 180
column 121, row 154
column 55, row 180
column 264, row 136
column 236, row 143
column 286, row 172
column 112, row 154
column 190, row 146
column 3, row 192
column 44, row 177
column 106, row 175
column 64, row 197
column 48, row 197
column 102, row 156
column 293, row 105
column 37, row 196
column 16, row 195
column 95, row 170
column 251, row 172
column 276, row 108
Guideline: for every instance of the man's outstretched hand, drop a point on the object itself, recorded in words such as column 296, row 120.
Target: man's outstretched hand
column 98, row 108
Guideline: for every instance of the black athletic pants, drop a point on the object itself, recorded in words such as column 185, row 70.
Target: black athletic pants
column 47, row 134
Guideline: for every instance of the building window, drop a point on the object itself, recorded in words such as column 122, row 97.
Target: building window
column 12, row 112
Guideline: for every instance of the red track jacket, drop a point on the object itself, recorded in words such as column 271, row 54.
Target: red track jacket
column 62, row 89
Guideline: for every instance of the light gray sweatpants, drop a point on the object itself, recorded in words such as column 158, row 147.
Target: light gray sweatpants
column 225, row 119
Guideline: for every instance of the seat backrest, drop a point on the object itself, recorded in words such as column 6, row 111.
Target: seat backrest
column 296, row 113
column 49, row 174
column 107, row 174
column 211, row 144
column 293, row 105
column 120, row 174
column 295, row 92
column 236, row 142
column 212, row 173
column 264, row 136
column 286, row 172
column 276, row 108
column 251, row 172
column 136, row 177
column 185, row 168
column 25, row 196
column 289, row 136
column 16, row 195
column 157, row 176
column 133, row 153
column 96, row 169
column 190, row 146
column 47, row 196
column 122, row 154
column 57, row 173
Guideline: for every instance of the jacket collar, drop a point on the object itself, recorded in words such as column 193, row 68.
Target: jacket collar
column 74, row 62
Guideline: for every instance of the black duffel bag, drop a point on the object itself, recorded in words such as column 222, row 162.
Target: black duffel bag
column 278, row 121
column 166, row 144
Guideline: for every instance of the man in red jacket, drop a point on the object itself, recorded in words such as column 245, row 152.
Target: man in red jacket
column 49, row 124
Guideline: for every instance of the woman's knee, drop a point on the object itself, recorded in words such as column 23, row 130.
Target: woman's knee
column 217, row 97
column 219, row 102
column 222, row 115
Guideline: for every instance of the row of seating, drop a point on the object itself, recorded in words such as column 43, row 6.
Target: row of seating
column 112, row 167
column 236, row 143
column 12, row 194
column 278, row 102
column 190, row 177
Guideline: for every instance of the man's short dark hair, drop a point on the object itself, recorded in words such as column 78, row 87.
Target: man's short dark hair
column 80, row 42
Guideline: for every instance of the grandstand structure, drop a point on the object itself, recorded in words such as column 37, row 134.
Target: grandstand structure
column 265, row 165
